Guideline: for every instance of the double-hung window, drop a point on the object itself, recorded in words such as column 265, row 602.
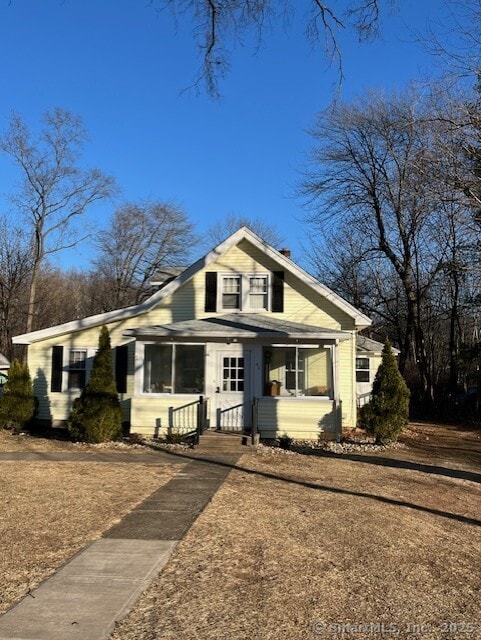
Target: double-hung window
column 258, row 293
column 362, row 370
column 77, row 368
column 246, row 292
column 231, row 292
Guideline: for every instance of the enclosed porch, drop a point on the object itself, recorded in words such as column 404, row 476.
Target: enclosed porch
column 249, row 373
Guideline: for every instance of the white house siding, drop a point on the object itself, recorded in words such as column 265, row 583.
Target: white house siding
column 300, row 418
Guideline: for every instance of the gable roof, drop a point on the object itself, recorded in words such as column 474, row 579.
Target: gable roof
column 170, row 287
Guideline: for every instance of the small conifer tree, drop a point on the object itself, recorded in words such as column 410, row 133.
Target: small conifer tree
column 387, row 413
column 17, row 403
column 97, row 415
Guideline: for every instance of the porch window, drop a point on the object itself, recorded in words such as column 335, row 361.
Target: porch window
column 77, row 366
column 189, row 368
column 298, row 371
column 362, row 370
column 177, row 368
column 294, row 373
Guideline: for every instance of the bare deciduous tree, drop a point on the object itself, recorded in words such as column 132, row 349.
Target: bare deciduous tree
column 15, row 274
column 369, row 171
column 66, row 295
column 223, row 228
column 142, row 239
column 54, row 190
column 454, row 40
column 394, row 185
column 220, row 25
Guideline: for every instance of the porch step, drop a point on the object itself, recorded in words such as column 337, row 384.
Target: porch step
column 219, row 442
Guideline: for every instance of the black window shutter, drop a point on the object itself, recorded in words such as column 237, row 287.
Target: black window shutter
column 210, row 291
column 57, row 367
column 121, row 360
column 278, row 291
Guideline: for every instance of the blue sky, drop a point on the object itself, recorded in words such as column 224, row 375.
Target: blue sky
column 122, row 67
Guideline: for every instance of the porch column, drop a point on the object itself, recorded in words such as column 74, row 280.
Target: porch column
column 335, row 389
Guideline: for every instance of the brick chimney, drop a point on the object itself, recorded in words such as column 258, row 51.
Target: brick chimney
column 285, row 252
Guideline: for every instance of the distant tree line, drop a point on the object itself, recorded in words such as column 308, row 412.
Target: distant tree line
column 394, row 189
column 47, row 216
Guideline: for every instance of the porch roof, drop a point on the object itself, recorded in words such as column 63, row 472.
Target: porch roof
column 369, row 346
column 238, row 326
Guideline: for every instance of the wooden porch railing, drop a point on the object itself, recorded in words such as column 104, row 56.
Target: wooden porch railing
column 363, row 398
column 189, row 421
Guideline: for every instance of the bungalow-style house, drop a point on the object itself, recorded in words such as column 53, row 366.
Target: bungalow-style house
column 244, row 331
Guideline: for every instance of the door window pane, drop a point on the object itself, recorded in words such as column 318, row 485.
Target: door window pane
column 232, row 374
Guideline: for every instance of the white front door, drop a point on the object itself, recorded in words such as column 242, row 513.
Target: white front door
column 233, row 389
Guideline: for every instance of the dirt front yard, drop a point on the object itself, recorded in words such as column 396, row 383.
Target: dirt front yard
column 358, row 545
column 350, row 546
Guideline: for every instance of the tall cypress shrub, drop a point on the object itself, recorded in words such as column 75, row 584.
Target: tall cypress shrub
column 17, row 403
column 387, row 413
column 97, row 415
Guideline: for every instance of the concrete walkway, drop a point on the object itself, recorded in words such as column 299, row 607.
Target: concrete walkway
column 97, row 587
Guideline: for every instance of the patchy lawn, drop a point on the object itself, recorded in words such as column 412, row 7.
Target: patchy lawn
column 295, row 547
column 360, row 545
column 52, row 510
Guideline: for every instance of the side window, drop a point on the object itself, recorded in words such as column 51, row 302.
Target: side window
column 362, row 370
column 77, row 367
column 57, row 368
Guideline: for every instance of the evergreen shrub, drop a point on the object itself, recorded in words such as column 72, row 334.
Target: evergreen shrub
column 17, row 403
column 387, row 413
column 97, row 415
